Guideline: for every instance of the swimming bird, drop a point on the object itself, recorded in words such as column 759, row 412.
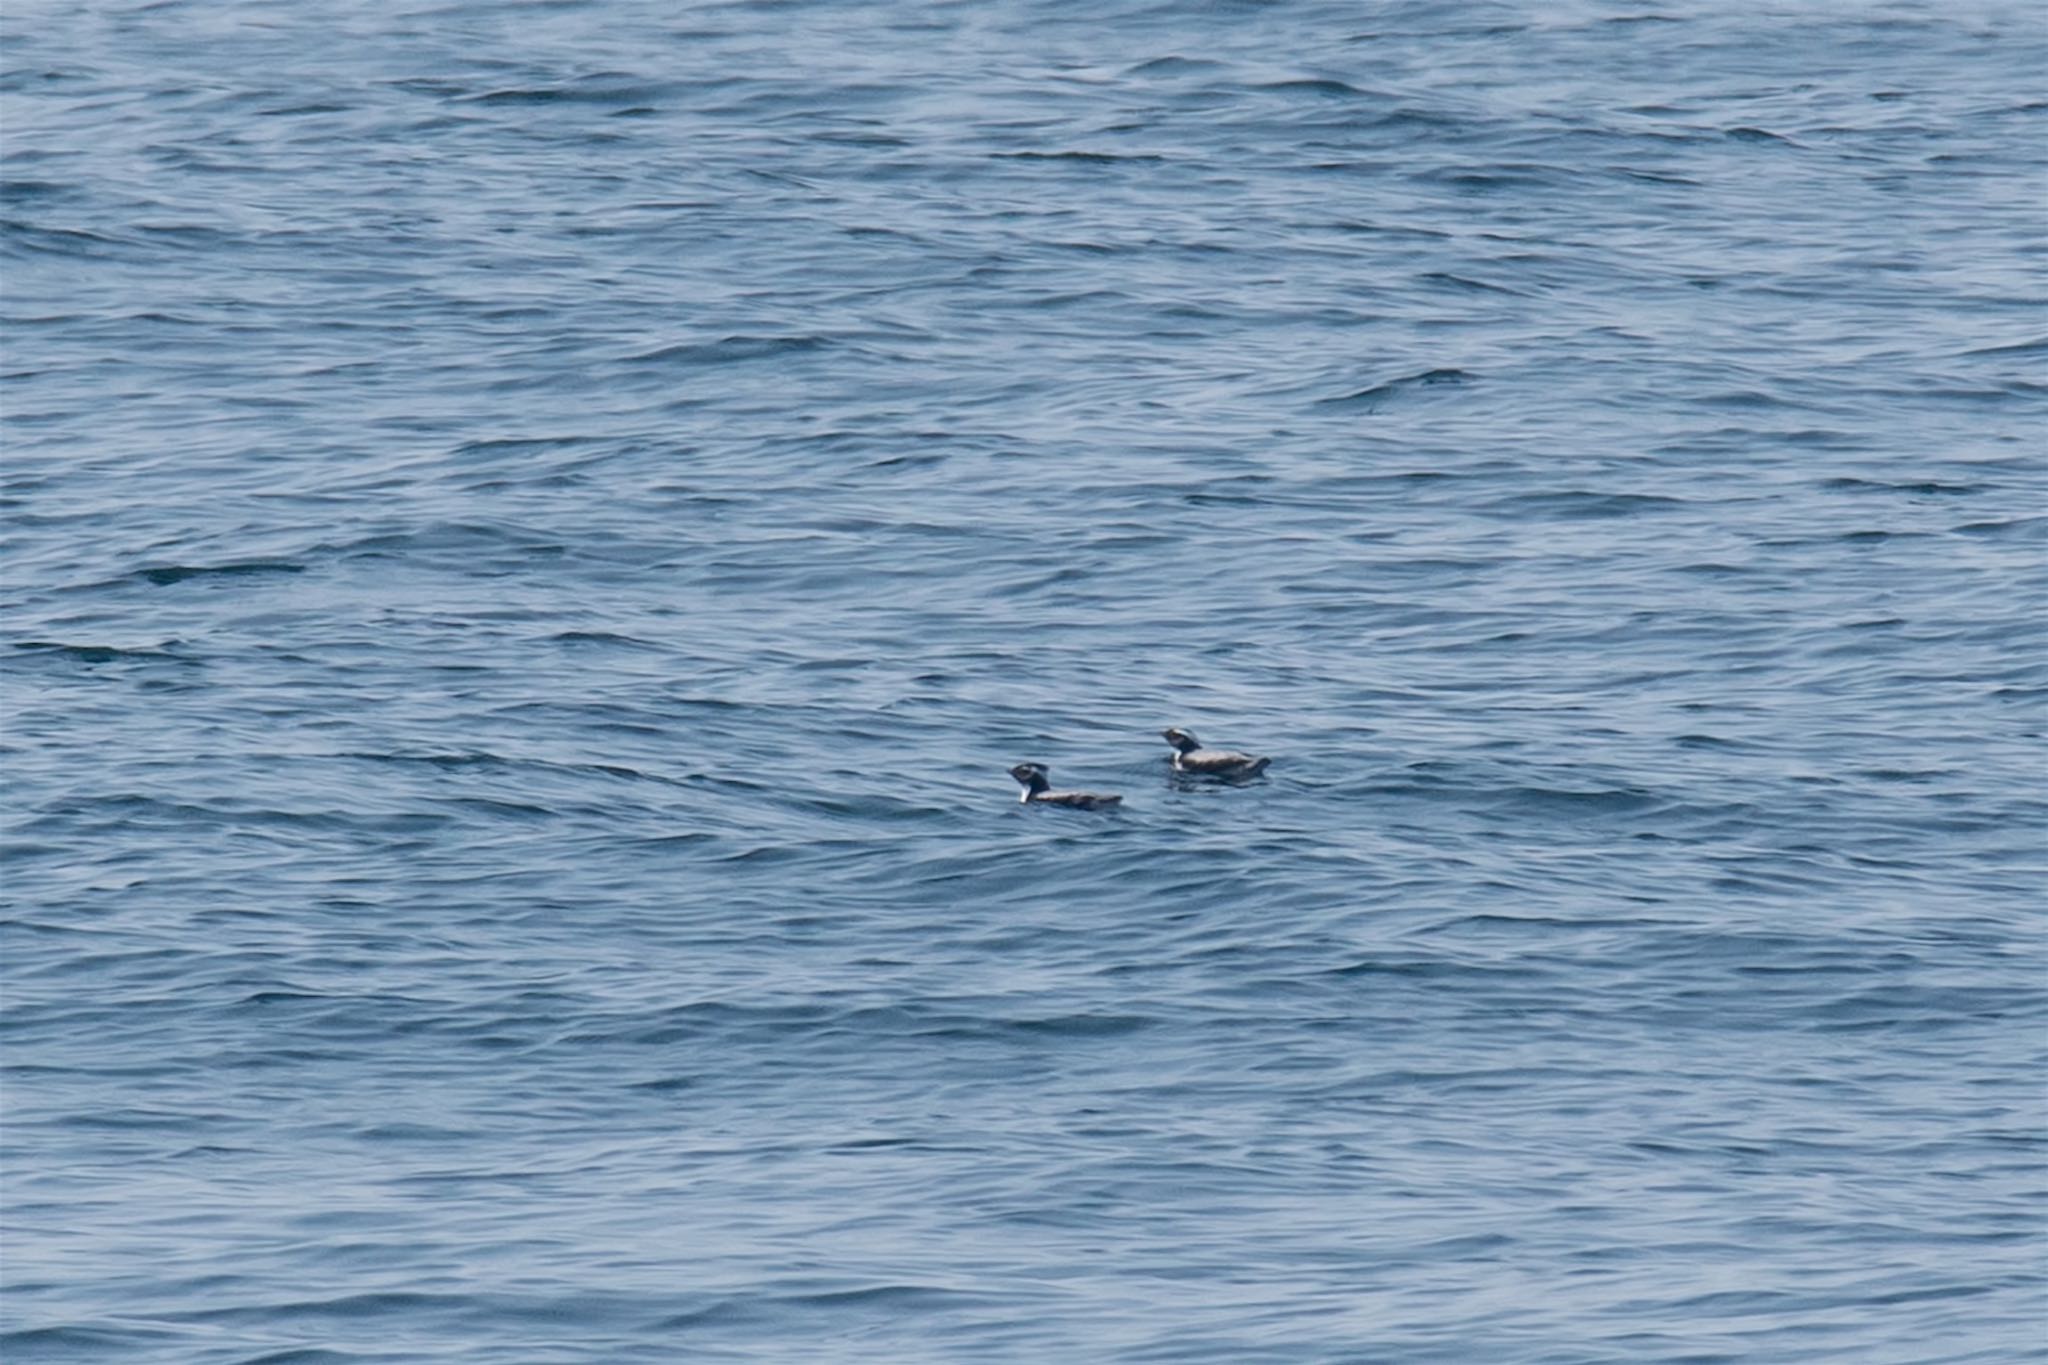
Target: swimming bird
column 1038, row 789
column 1190, row 757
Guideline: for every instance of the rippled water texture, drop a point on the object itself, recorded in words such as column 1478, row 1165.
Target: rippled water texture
column 536, row 530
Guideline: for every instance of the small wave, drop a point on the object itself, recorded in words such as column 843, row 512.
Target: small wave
column 727, row 350
column 168, row 574
column 2020, row 525
column 1374, row 395
column 1317, row 87
column 1174, row 66
column 1713, row 742
column 1924, row 487
column 82, row 1343
column 1090, row 158
column 606, row 638
column 1582, row 505
column 305, row 110
column 1653, row 178
column 493, row 447
column 774, row 1305
column 1926, row 1008
column 2037, row 347
column 1461, row 282
column 29, row 239
column 604, row 88
column 366, row 1307
column 1568, row 801
column 1077, row 1025
column 464, row 537
column 870, row 808
column 448, row 761
column 515, row 810
column 1745, row 400
column 267, row 998
column 168, row 652
column 1493, row 179
column 36, row 190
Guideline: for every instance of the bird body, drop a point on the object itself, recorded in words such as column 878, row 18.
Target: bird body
column 1038, row 790
column 1190, row 757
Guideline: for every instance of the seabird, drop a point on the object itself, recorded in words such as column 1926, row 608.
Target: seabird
column 1038, row 790
column 1190, row 757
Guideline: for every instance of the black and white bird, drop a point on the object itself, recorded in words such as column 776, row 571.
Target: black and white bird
column 1190, row 757
column 1038, row 790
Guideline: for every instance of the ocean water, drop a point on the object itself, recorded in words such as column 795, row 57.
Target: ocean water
column 534, row 531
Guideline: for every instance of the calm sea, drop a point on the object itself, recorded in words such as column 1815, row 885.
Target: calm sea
column 534, row 531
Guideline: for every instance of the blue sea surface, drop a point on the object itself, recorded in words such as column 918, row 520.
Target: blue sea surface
column 535, row 529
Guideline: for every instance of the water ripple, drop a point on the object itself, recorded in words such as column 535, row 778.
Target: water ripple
column 537, row 531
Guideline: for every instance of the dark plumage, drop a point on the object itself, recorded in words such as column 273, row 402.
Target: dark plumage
column 1038, row 790
column 1190, row 757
